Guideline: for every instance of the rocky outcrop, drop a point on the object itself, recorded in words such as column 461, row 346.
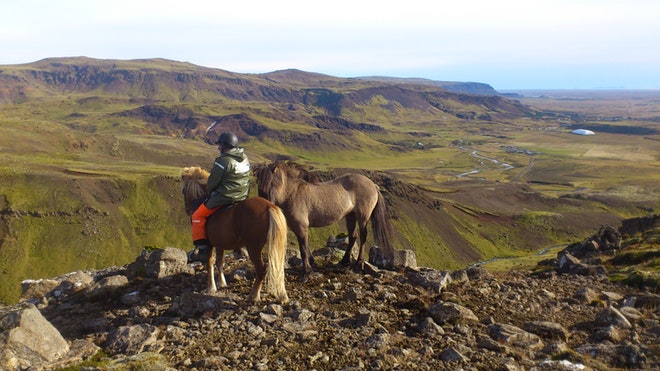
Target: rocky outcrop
column 153, row 313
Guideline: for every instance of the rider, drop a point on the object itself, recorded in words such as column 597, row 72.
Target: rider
column 228, row 183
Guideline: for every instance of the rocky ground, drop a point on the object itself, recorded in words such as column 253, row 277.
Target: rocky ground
column 152, row 314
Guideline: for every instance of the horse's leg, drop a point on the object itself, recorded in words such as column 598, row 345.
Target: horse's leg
column 302, row 234
column 210, row 287
column 260, row 270
column 350, row 228
column 363, row 240
column 220, row 264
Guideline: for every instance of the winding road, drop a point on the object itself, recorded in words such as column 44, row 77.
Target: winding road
column 504, row 166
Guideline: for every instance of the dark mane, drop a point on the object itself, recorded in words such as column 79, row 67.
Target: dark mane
column 292, row 170
column 297, row 171
column 264, row 176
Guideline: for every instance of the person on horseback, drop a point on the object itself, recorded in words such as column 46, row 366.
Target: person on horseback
column 228, row 183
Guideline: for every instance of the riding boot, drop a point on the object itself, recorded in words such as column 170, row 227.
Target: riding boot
column 201, row 252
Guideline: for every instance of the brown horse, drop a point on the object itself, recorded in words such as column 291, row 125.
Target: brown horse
column 307, row 203
column 255, row 223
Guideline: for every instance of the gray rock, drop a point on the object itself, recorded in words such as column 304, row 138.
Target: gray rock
column 302, row 315
column 610, row 333
column 36, row 289
column 131, row 340
column 59, row 287
column 431, row 279
column 547, row 330
column 633, row 315
column 378, row 341
column 586, row 295
column 429, row 328
column 514, row 336
column 447, row 312
column 192, row 304
column 159, row 263
column 28, row 339
column 611, row 316
column 106, row 286
column 452, row 355
column 401, row 259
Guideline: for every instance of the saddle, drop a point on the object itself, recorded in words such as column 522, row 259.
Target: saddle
column 196, row 203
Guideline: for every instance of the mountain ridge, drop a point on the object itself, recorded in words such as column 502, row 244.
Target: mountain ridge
column 165, row 80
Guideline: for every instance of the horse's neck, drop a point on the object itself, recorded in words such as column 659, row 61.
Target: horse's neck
column 295, row 190
column 288, row 189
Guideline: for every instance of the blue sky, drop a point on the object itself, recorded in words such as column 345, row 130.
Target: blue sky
column 509, row 44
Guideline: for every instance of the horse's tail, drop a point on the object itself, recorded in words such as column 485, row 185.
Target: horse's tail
column 276, row 252
column 380, row 221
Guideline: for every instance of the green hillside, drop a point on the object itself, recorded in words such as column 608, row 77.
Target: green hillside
column 91, row 151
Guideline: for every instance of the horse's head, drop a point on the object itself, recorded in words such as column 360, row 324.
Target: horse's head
column 193, row 187
column 264, row 175
column 273, row 178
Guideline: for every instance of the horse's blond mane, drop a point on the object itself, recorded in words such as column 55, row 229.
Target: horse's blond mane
column 195, row 173
column 194, row 180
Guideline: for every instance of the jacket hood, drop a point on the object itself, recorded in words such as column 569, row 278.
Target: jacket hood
column 236, row 153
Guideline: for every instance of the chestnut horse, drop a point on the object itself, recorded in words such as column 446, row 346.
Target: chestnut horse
column 308, row 203
column 255, row 223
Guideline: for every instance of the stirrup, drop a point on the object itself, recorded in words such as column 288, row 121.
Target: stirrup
column 200, row 253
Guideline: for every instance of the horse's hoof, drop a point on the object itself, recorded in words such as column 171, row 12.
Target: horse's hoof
column 304, row 278
column 199, row 254
column 209, row 291
column 306, row 270
column 344, row 263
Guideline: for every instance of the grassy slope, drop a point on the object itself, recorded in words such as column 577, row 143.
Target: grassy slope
column 84, row 188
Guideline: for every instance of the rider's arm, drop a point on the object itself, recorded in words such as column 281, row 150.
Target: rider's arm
column 215, row 179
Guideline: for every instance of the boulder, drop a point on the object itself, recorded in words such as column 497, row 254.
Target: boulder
column 448, row 312
column 159, row 263
column 27, row 339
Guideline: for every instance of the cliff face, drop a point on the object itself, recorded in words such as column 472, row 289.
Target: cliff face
column 162, row 80
column 474, row 88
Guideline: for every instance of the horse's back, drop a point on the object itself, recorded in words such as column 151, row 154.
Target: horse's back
column 251, row 210
column 356, row 180
column 358, row 185
column 247, row 220
column 256, row 205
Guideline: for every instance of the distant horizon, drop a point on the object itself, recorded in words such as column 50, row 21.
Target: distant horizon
column 509, row 45
column 511, row 90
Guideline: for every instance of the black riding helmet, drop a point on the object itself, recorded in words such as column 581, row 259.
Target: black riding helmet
column 227, row 139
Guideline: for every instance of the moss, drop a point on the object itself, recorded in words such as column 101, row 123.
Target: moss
column 636, row 257
column 643, row 280
column 100, row 360
column 568, row 355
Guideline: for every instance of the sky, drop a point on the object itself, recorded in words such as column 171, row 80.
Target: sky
column 508, row 44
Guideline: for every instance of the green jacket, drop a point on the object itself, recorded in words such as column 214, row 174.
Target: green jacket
column 229, row 181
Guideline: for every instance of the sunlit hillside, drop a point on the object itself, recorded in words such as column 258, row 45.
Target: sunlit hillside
column 92, row 149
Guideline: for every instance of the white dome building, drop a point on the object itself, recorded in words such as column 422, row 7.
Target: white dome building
column 583, row 132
